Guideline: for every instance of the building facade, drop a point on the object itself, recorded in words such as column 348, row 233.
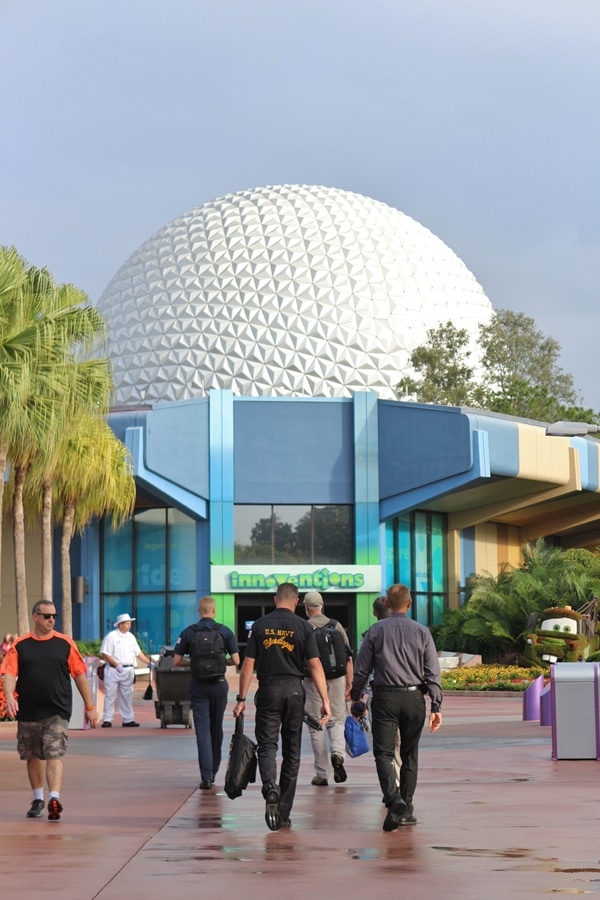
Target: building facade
column 345, row 496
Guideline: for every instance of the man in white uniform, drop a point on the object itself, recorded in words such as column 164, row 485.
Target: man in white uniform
column 120, row 650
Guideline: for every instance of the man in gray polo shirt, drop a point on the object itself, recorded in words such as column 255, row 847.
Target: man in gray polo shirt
column 402, row 655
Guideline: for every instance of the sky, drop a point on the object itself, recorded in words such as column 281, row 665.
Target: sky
column 477, row 118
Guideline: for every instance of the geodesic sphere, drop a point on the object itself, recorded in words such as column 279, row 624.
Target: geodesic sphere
column 289, row 290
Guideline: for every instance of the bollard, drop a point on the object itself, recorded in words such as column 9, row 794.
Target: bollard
column 531, row 700
column 546, row 706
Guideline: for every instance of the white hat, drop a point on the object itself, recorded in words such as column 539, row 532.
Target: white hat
column 313, row 600
column 124, row 617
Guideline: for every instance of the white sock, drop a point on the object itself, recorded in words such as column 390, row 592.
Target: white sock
column 38, row 793
column 54, row 795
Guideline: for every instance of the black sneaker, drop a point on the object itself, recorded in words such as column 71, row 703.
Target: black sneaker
column 54, row 809
column 35, row 810
column 272, row 814
column 395, row 813
column 206, row 785
column 286, row 823
column 408, row 817
column 339, row 772
column 319, row 782
column 107, row 724
column 131, row 724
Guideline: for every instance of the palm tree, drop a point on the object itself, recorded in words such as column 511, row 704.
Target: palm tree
column 51, row 389
column 96, row 479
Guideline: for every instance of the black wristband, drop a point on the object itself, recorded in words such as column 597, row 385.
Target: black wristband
column 240, row 699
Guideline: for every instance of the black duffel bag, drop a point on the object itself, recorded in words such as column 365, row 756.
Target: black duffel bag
column 241, row 768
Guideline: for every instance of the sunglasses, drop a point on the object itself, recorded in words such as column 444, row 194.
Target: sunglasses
column 47, row 615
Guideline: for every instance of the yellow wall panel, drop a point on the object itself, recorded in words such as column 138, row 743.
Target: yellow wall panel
column 542, row 458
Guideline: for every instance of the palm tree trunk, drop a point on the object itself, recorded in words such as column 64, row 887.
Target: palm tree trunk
column 19, row 551
column 65, row 568
column 47, row 540
column 3, row 460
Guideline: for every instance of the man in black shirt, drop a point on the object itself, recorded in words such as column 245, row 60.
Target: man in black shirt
column 283, row 646
column 208, row 697
column 402, row 656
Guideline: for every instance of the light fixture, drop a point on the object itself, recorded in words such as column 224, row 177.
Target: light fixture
column 571, row 429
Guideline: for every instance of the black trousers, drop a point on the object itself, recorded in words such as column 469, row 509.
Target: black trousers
column 208, row 700
column 393, row 711
column 279, row 709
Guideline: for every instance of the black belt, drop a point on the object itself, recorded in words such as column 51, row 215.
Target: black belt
column 283, row 679
column 125, row 665
column 397, row 687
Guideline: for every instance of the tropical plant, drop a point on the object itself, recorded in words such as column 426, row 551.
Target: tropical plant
column 502, row 609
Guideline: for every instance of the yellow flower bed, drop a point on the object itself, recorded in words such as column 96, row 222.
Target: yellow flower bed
column 489, row 678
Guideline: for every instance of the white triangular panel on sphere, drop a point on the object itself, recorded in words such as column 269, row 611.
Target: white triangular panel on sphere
column 283, row 290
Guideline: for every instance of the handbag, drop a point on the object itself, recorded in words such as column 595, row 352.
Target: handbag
column 356, row 739
column 241, row 767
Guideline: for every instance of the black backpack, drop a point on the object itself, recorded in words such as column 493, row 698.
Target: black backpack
column 208, row 660
column 333, row 649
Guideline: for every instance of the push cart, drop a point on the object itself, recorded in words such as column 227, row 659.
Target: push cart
column 173, row 703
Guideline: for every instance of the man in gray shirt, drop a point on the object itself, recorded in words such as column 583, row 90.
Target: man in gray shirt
column 402, row 655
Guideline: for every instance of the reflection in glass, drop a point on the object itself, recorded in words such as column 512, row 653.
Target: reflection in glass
column 183, row 611
column 151, row 549
column 253, row 534
column 295, row 535
column 182, row 551
column 116, row 558
column 150, row 619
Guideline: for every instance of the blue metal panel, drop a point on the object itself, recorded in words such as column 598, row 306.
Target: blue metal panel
column 221, row 477
column 467, row 554
column 413, row 499
column 170, row 493
column 177, row 444
column 503, row 442
column 123, row 419
column 292, row 450
column 366, row 478
column 420, row 445
column 202, row 559
column 588, row 456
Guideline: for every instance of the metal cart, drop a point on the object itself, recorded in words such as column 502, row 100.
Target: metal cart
column 173, row 703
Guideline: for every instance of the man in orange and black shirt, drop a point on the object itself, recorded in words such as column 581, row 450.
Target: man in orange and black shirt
column 37, row 673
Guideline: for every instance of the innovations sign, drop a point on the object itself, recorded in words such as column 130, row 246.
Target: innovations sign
column 255, row 579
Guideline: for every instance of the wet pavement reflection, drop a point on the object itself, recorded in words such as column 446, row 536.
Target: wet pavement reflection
column 496, row 817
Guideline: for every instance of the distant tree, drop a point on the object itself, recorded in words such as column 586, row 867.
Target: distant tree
column 520, row 375
column 446, row 376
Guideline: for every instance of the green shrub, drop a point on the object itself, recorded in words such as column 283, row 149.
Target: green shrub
column 89, row 648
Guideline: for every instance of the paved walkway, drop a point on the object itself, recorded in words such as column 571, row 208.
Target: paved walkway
column 497, row 817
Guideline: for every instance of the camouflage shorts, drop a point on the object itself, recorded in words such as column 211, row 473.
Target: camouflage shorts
column 43, row 740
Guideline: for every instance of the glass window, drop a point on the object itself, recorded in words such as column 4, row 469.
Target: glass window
column 118, row 571
column 294, row 534
column 333, row 535
column 151, row 550
column 252, row 534
column 182, row 551
column 149, row 570
column 183, row 611
column 150, row 620
column 420, row 562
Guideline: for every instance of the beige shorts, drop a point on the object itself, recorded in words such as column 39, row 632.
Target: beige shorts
column 43, row 740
